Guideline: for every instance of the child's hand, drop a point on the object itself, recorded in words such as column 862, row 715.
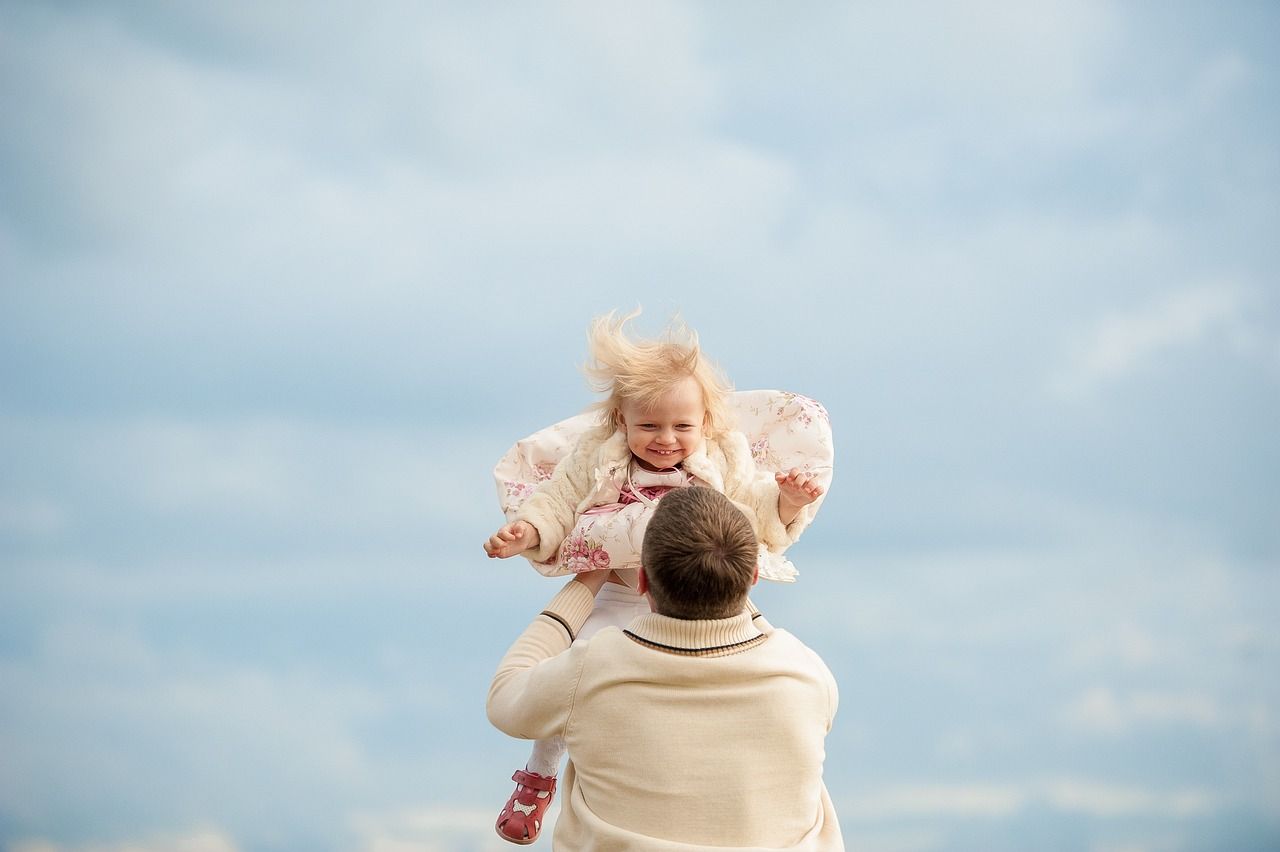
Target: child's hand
column 512, row 539
column 796, row 489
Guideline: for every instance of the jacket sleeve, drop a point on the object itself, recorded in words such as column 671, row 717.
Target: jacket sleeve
column 553, row 507
column 757, row 491
column 532, row 691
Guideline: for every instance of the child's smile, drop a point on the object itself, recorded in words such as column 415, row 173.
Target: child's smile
column 665, row 434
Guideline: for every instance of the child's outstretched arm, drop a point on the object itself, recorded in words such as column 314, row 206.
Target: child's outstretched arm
column 796, row 489
column 552, row 509
column 512, row 539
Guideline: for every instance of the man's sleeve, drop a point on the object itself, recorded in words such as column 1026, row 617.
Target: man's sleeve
column 833, row 692
column 532, row 691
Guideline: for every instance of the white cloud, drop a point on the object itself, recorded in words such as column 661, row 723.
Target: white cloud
column 395, row 134
column 36, row 517
column 1219, row 78
column 1011, row 53
column 1101, row 710
column 647, row 67
column 866, row 839
column 385, row 184
column 1148, row 844
column 955, row 800
column 1103, row 588
column 1130, row 644
column 433, row 829
column 1112, row 800
column 197, row 840
column 201, row 732
column 256, row 472
column 1122, row 344
column 999, row 801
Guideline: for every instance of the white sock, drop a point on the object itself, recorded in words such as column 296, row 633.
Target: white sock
column 545, row 757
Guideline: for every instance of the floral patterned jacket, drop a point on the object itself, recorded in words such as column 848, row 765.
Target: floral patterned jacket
column 595, row 471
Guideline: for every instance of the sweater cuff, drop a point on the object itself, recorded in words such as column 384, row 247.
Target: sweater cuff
column 571, row 606
column 802, row 520
column 757, row 618
column 772, row 532
column 548, row 545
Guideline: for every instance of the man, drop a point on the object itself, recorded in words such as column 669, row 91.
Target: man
column 695, row 727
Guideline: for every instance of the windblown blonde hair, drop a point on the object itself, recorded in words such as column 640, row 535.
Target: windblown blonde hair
column 641, row 371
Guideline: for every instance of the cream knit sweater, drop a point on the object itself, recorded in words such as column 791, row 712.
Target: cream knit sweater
column 682, row 735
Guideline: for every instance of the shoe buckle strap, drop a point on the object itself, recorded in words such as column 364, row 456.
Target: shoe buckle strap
column 534, row 780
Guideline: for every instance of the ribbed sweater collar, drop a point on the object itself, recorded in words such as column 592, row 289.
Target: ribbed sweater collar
column 712, row 636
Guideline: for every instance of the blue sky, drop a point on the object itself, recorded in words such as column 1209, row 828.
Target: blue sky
column 280, row 282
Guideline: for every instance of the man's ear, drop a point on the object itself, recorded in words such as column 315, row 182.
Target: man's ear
column 642, row 581
column 755, row 575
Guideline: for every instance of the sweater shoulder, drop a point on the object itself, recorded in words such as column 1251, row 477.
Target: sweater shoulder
column 785, row 642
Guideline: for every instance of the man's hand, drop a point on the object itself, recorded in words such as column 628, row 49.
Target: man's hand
column 512, row 539
column 593, row 580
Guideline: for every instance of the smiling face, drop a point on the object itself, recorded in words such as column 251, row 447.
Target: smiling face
column 665, row 434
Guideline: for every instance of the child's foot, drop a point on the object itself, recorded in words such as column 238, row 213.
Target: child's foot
column 521, row 820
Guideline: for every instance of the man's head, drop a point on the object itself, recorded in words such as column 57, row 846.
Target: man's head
column 699, row 555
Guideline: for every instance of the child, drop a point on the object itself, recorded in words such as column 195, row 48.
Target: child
column 662, row 426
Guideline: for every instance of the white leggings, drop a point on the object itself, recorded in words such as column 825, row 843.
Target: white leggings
column 616, row 606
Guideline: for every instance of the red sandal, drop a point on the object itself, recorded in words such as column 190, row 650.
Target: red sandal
column 521, row 820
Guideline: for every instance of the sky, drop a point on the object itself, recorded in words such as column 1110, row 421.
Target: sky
column 279, row 283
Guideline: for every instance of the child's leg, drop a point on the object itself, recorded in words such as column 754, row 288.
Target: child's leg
column 521, row 820
column 545, row 757
column 615, row 606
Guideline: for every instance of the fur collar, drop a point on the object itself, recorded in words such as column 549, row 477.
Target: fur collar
column 727, row 452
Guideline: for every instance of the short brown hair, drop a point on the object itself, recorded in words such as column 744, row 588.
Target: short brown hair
column 699, row 555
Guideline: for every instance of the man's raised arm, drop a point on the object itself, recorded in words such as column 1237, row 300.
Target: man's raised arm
column 527, row 698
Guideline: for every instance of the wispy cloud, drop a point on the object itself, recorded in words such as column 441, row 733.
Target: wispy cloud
column 910, row 839
column 1101, row 799
column 197, row 840
column 953, row 800
column 1130, row 644
column 31, row 516
column 431, row 829
column 997, row 801
column 1122, row 344
column 1102, row 710
column 271, row 475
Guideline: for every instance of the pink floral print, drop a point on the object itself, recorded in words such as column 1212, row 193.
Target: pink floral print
column 581, row 554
